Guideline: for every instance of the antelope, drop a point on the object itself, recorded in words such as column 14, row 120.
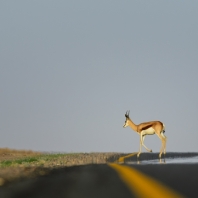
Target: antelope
column 148, row 128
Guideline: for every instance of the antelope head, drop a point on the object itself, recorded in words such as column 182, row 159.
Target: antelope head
column 126, row 124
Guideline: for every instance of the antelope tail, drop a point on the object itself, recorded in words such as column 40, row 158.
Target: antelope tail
column 163, row 127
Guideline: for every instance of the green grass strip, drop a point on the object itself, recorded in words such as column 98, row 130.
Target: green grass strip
column 32, row 160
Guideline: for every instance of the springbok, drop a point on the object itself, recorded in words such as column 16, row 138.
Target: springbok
column 148, row 128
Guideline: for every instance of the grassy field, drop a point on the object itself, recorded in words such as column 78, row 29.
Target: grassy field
column 21, row 158
column 46, row 160
column 19, row 164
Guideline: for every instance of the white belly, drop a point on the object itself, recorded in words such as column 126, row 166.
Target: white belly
column 149, row 131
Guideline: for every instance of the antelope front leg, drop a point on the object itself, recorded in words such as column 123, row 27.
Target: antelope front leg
column 149, row 150
column 140, row 150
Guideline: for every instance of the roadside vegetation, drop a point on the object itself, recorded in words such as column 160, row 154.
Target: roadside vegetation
column 46, row 160
column 23, row 158
column 19, row 164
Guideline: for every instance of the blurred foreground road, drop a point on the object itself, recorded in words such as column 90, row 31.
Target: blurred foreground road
column 110, row 180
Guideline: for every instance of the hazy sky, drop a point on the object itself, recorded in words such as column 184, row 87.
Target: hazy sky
column 69, row 70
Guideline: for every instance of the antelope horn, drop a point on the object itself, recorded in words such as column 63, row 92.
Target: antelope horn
column 127, row 114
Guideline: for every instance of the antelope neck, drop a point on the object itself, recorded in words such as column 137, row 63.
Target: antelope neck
column 132, row 125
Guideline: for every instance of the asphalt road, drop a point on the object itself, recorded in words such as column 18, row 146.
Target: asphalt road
column 111, row 180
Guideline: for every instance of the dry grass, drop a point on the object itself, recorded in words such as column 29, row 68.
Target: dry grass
column 19, row 164
column 10, row 154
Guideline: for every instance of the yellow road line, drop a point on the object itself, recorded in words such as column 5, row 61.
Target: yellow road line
column 142, row 185
column 121, row 159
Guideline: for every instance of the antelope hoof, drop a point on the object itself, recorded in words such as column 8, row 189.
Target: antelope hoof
column 150, row 151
